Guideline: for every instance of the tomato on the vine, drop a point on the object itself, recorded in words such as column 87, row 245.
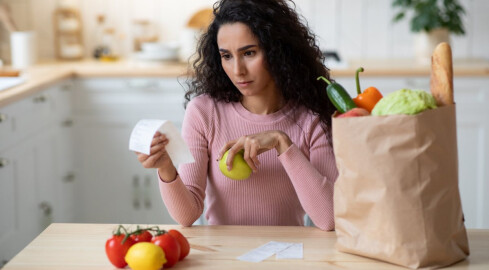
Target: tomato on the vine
column 182, row 240
column 116, row 250
column 170, row 246
column 142, row 236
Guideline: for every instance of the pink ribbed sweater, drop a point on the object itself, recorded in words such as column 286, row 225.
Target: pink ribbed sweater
column 285, row 187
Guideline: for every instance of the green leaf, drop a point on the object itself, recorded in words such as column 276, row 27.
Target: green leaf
column 431, row 14
column 399, row 16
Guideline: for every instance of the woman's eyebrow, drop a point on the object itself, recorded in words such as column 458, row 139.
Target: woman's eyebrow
column 240, row 49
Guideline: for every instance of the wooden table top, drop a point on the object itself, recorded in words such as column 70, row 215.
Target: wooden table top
column 82, row 246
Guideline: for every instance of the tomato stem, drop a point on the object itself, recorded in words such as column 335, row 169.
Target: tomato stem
column 138, row 231
column 126, row 235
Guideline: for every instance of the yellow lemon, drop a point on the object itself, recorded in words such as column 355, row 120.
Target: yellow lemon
column 240, row 170
column 145, row 256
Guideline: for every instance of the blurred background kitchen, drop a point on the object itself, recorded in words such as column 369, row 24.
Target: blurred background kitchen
column 354, row 28
column 77, row 75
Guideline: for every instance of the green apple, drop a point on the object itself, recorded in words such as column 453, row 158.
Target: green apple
column 240, row 170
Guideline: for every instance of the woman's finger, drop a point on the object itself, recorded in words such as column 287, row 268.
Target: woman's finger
column 225, row 148
column 153, row 159
column 142, row 157
column 254, row 155
column 247, row 157
column 158, row 139
column 238, row 146
column 157, row 147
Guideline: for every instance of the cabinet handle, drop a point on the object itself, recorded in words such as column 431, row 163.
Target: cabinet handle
column 147, row 191
column 67, row 86
column 3, row 117
column 143, row 84
column 4, row 162
column 67, row 123
column 40, row 99
column 69, row 178
column 136, row 194
column 46, row 208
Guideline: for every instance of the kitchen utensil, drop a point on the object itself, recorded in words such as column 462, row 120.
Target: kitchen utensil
column 158, row 51
column 143, row 31
column 6, row 18
column 188, row 43
column 23, row 47
column 201, row 19
column 9, row 73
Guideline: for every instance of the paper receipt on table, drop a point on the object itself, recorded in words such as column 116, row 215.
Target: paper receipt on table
column 144, row 131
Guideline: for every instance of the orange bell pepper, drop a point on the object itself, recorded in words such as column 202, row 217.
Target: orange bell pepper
column 369, row 97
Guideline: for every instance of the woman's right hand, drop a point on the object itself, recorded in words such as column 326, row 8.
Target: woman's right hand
column 158, row 158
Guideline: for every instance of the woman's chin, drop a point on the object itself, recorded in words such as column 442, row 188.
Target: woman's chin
column 247, row 92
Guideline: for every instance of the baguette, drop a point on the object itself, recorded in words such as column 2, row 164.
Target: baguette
column 441, row 82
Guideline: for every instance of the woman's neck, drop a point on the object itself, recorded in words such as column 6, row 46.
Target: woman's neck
column 263, row 104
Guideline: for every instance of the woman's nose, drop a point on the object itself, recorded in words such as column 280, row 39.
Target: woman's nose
column 239, row 67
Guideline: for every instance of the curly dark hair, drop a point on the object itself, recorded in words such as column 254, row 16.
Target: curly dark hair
column 293, row 57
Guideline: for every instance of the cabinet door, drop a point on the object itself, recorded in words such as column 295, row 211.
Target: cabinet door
column 65, row 176
column 112, row 185
column 472, row 97
column 103, row 177
column 61, row 134
column 151, row 209
column 47, row 182
column 7, row 125
column 19, row 208
column 34, row 156
column 9, row 229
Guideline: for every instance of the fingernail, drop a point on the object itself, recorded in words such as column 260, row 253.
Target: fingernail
column 229, row 168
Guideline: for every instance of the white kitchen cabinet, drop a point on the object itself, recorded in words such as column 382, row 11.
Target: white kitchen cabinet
column 113, row 186
column 30, row 168
column 471, row 97
column 19, row 224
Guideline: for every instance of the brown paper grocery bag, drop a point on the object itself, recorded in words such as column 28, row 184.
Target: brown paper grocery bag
column 396, row 198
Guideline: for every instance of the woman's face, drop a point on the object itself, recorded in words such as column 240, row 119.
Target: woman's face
column 244, row 60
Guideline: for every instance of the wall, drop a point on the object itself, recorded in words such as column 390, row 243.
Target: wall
column 357, row 28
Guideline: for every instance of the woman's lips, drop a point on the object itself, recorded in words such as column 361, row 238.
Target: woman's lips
column 244, row 83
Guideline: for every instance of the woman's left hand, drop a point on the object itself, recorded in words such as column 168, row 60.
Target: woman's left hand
column 254, row 145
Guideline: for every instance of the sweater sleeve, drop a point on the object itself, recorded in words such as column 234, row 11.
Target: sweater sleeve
column 313, row 178
column 184, row 197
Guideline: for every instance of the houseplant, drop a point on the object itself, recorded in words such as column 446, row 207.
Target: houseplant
column 432, row 21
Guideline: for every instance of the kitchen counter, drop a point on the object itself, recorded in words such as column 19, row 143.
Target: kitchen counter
column 48, row 73
column 81, row 246
column 45, row 74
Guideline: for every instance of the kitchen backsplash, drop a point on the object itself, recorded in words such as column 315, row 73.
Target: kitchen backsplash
column 355, row 28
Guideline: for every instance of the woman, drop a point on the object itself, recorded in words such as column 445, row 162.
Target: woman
column 254, row 89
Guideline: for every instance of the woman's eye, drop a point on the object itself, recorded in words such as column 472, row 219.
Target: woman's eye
column 225, row 56
column 249, row 53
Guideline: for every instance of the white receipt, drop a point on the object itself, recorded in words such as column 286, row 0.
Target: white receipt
column 282, row 249
column 295, row 251
column 144, row 131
